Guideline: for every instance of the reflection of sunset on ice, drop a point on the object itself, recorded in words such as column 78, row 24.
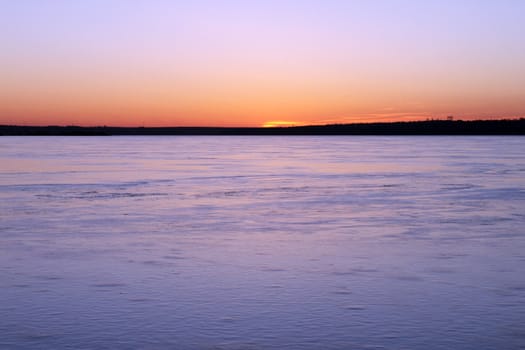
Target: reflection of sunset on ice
column 254, row 242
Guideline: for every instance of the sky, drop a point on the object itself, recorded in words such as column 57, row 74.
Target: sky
column 256, row 63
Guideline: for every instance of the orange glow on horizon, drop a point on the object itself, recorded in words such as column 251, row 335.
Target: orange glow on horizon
column 258, row 63
column 280, row 123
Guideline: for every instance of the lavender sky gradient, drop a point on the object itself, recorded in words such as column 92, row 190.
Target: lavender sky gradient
column 247, row 63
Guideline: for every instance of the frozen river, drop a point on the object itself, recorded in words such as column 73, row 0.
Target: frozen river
column 262, row 243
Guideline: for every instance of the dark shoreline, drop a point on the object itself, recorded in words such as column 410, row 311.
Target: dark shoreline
column 429, row 127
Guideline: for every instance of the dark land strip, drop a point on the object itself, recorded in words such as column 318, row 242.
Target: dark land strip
column 429, row 127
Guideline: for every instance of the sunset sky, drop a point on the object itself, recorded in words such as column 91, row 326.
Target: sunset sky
column 251, row 63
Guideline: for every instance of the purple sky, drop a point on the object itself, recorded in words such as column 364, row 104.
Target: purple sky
column 257, row 62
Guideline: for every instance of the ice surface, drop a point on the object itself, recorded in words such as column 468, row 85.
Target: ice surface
column 262, row 242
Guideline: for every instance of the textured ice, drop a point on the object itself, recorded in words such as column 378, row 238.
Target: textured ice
column 262, row 242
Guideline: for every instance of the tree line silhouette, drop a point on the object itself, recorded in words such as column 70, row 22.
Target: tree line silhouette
column 427, row 127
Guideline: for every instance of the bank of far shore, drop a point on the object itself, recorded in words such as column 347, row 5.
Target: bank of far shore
column 428, row 127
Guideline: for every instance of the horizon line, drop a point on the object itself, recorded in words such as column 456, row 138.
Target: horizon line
column 287, row 126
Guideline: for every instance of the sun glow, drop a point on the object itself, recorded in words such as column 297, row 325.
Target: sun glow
column 280, row 123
